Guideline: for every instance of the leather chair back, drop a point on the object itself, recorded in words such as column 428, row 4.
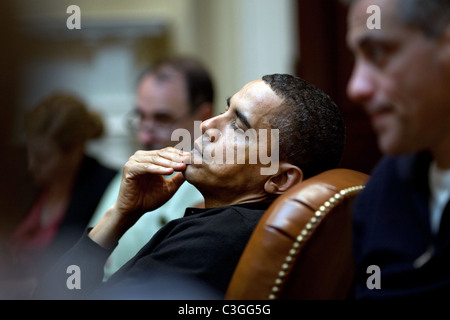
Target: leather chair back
column 301, row 248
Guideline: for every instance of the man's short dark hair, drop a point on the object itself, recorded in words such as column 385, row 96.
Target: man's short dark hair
column 199, row 82
column 311, row 129
column 430, row 16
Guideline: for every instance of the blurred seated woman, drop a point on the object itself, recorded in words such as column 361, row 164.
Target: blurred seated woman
column 70, row 182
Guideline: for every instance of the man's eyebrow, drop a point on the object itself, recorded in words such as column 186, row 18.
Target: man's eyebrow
column 365, row 41
column 228, row 101
column 371, row 39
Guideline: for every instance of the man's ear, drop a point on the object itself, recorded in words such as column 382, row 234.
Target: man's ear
column 287, row 176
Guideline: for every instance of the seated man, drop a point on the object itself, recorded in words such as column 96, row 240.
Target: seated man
column 204, row 246
column 401, row 219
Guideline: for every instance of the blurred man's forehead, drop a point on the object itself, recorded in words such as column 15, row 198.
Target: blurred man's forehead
column 153, row 94
column 358, row 30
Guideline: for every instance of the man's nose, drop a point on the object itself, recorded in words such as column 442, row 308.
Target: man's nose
column 211, row 128
column 361, row 86
column 147, row 124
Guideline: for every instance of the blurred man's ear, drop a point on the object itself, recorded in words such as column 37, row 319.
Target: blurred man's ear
column 287, row 176
column 204, row 111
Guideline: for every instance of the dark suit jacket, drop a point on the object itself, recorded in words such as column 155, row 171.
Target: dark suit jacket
column 392, row 230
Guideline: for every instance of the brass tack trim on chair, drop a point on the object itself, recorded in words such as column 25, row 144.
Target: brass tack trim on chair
column 307, row 231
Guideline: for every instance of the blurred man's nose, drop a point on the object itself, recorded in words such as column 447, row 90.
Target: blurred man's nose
column 146, row 137
column 361, row 87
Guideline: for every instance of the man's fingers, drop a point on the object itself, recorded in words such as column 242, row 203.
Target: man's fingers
column 168, row 157
column 174, row 155
column 164, row 162
column 134, row 169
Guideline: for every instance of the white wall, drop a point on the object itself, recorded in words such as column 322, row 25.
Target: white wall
column 239, row 41
column 268, row 38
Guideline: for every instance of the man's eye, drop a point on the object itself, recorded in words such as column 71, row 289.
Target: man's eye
column 377, row 54
column 163, row 118
column 234, row 125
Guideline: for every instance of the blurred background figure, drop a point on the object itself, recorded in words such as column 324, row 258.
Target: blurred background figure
column 70, row 185
column 171, row 94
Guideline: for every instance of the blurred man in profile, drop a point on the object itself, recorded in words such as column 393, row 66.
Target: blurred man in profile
column 402, row 77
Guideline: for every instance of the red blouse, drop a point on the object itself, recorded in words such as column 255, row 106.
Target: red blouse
column 31, row 238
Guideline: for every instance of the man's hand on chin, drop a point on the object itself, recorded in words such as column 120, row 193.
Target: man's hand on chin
column 143, row 188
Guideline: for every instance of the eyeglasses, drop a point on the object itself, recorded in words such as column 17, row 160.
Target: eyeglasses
column 137, row 121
